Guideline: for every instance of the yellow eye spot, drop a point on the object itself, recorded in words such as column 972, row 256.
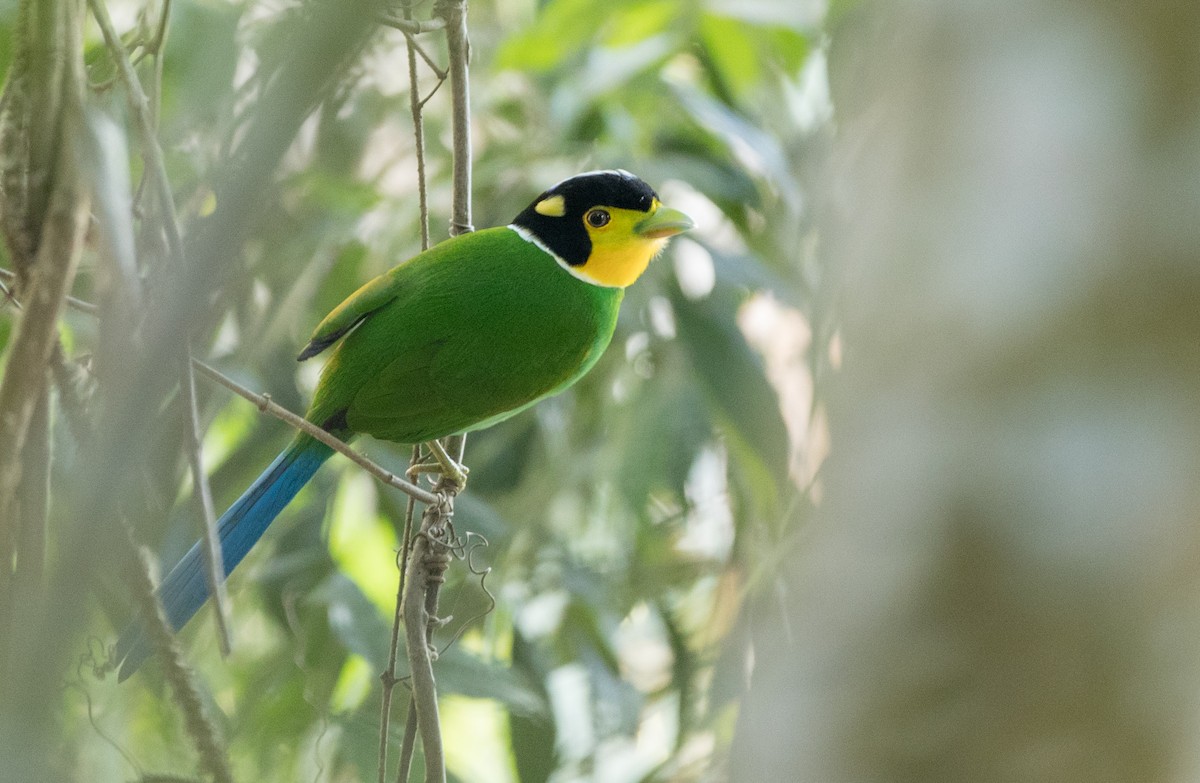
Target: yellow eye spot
column 597, row 218
column 555, row 206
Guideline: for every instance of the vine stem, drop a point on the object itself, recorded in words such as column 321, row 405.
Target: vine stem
column 428, row 561
column 24, row 381
column 388, row 677
column 431, row 549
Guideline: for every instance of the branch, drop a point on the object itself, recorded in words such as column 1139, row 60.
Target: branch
column 455, row 14
column 140, row 105
column 431, row 554
column 388, row 677
column 33, row 495
column 415, row 105
column 267, row 405
column 214, row 571
column 177, row 675
column 84, row 307
column 145, row 111
column 49, row 279
column 410, row 26
column 431, row 550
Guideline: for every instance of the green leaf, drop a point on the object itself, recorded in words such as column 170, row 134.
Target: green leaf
column 733, row 52
column 638, row 21
column 355, row 621
column 466, row 674
column 560, row 30
column 665, row 429
column 533, row 737
column 733, row 375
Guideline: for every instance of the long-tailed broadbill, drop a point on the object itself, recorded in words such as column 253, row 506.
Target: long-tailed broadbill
column 468, row 333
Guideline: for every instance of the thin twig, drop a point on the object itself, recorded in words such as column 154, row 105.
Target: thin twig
column 267, row 405
column 153, row 48
column 431, row 552
column 155, row 45
column 388, row 677
column 187, row 696
column 78, row 304
column 455, row 14
column 427, row 567
column 415, row 105
column 438, row 70
column 151, row 150
column 432, row 92
column 410, row 26
column 214, row 565
column 408, row 745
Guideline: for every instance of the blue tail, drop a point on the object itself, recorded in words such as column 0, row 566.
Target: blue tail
column 185, row 589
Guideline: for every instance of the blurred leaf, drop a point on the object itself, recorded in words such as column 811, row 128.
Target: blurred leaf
column 501, row 454
column 355, row 621
column 733, row 374
column 666, row 429
column 343, row 279
column 753, row 147
column 733, row 51
column 533, row 737
column 465, row 674
column 635, row 22
column 199, row 67
column 560, row 29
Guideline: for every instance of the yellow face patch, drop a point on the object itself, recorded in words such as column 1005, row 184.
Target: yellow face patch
column 554, row 206
column 619, row 254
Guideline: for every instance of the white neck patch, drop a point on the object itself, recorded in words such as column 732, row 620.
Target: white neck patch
column 578, row 274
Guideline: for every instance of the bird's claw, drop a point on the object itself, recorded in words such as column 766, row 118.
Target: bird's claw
column 450, row 469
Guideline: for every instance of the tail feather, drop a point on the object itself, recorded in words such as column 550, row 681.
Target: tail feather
column 185, row 589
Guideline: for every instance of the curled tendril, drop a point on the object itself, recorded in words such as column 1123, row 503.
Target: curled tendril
column 87, row 697
column 465, row 550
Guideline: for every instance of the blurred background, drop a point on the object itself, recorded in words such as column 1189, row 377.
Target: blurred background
column 889, row 472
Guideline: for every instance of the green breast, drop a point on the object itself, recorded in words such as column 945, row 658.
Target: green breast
column 481, row 327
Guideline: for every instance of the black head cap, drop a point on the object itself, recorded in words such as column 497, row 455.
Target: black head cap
column 566, row 234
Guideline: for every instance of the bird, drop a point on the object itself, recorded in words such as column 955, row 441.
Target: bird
column 461, row 336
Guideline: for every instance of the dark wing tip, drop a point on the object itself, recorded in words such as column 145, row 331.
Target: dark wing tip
column 318, row 344
column 314, row 347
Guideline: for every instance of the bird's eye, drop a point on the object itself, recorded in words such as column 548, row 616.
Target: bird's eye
column 597, row 218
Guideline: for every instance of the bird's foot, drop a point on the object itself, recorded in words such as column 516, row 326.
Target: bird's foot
column 443, row 464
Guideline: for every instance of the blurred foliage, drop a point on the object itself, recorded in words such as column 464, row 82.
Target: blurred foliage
column 629, row 519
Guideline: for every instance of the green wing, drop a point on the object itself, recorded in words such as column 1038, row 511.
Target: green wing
column 355, row 309
column 464, row 334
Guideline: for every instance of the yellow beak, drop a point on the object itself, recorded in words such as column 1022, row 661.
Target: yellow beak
column 665, row 222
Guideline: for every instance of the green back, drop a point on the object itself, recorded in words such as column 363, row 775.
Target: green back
column 476, row 329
